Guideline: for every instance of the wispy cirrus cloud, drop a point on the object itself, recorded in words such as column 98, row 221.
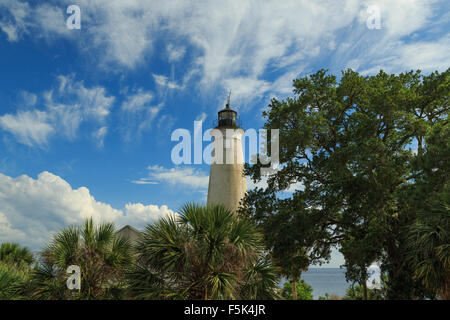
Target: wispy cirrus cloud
column 15, row 23
column 138, row 114
column 20, row 18
column 253, row 48
column 248, row 42
column 175, row 53
column 31, row 128
column 164, row 81
column 190, row 177
column 99, row 135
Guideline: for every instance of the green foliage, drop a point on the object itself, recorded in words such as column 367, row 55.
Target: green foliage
column 15, row 267
column 348, row 143
column 13, row 254
column 12, row 282
column 356, row 293
column 330, row 297
column 289, row 230
column 101, row 255
column 304, row 291
column 429, row 246
column 206, row 253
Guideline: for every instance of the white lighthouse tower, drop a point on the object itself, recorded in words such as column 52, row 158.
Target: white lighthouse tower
column 227, row 183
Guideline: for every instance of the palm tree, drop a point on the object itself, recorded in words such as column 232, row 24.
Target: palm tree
column 429, row 249
column 101, row 255
column 205, row 253
column 13, row 253
column 15, row 263
column 12, row 282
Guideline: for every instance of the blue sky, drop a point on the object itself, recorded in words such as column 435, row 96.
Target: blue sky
column 86, row 115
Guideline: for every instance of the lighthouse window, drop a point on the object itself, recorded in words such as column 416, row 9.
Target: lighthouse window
column 227, row 118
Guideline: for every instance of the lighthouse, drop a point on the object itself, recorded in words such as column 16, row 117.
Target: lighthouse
column 227, row 183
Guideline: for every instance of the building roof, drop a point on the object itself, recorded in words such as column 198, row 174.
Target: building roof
column 130, row 233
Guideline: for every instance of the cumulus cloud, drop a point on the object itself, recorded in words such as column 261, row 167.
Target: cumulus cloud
column 32, row 209
column 137, row 214
column 65, row 107
column 38, row 207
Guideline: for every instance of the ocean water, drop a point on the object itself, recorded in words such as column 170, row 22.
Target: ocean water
column 326, row 280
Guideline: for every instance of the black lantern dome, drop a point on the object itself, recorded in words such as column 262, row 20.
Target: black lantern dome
column 228, row 117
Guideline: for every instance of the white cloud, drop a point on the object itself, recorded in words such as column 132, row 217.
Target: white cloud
column 99, row 135
column 65, row 108
column 195, row 179
column 138, row 101
column 8, row 233
column 19, row 18
column 93, row 101
column 228, row 37
column 51, row 19
column 427, row 56
column 396, row 57
column 31, row 128
column 178, row 176
column 10, row 30
column 29, row 98
column 163, row 81
column 38, row 207
column 395, row 47
column 284, row 83
column 246, row 89
column 241, row 44
column 14, row 24
column 144, row 181
column 137, row 214
column 399, row 17
column 175, row 53
column 138, row 114
column 32, row 209
column 202, row 117
column 232, row 39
